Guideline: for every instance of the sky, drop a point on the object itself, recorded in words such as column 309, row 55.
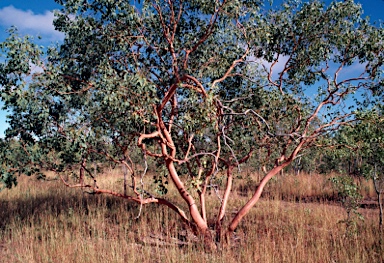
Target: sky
column 34, row 17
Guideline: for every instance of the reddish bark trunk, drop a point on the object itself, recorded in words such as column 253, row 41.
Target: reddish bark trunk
column 193, row 209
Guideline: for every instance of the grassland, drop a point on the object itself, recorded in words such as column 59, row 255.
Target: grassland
column 297, row 220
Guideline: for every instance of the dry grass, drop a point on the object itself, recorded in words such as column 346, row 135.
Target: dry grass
column 302, row 188
column 46, row 222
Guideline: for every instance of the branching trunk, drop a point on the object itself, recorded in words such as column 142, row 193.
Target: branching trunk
column 256, row 196
column 193, row 209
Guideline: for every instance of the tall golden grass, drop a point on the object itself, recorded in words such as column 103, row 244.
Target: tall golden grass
column 47, row 222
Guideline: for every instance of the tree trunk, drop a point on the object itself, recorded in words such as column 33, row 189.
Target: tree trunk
column 223, row 206
column 193, row 210
column 256, row 196
column 81, row 179
column 381, row 211
column 125, row 172
column 377, row 183
column 379, row 201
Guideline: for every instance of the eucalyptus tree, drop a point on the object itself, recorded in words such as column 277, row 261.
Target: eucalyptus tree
column 199, row 86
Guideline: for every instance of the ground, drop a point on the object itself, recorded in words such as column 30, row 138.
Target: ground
column 297, row 220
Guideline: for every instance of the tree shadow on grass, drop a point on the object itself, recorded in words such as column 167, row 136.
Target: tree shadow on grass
column 28, row 209
column 73, row 212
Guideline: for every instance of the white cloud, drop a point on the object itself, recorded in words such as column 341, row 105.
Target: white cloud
column 265, row 66
column 30, row 23
column 35, row 69
column 353, row 71
column 278, row 67
column 347, row 72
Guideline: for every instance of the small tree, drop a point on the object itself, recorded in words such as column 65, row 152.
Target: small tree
column 367, row 141
column 374, row 159
column 199, row 86
column 350, row 197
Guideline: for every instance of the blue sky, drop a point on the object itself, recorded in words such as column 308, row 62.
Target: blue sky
column 35, row 17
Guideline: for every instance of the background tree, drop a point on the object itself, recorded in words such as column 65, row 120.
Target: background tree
column 150, row 75
column 366, row 141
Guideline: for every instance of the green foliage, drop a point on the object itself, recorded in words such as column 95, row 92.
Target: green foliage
column 161, row 183
column 366, row 141
column 348, row 192
column 17, row 159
